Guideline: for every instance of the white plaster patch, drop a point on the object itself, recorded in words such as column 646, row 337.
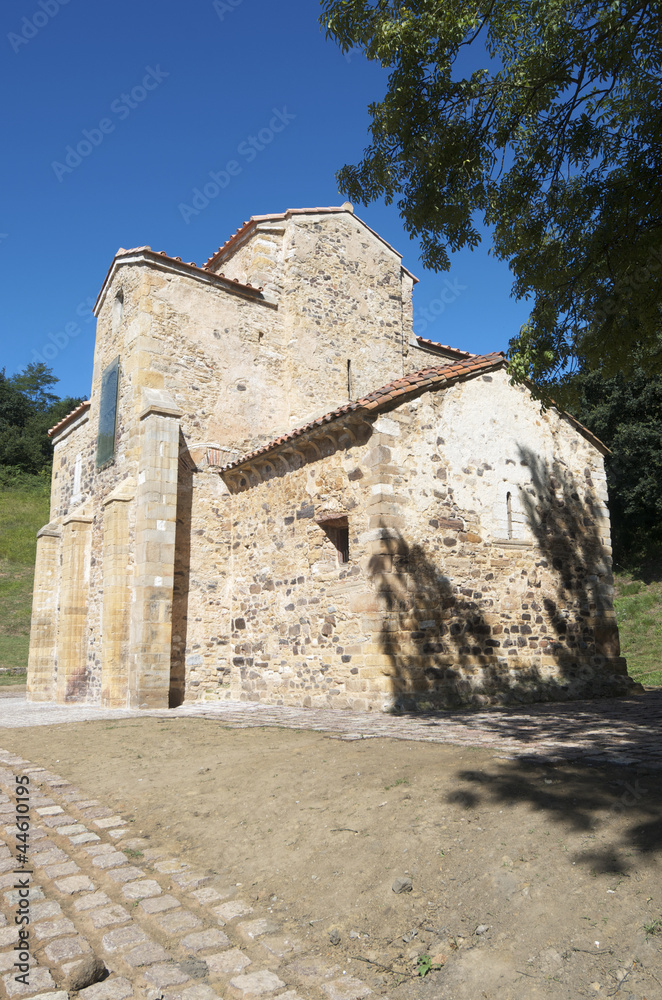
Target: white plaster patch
column 387, row 426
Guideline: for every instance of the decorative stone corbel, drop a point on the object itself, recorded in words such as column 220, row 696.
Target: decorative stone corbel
column 51, row 530
column 158, row 401
column 124, row 491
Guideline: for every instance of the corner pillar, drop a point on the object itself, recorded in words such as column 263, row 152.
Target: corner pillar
column 72, row 638
column 156, row 515
column 42, row 662
column 117, row 578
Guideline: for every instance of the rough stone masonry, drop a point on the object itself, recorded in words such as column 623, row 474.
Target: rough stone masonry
column 277, row 492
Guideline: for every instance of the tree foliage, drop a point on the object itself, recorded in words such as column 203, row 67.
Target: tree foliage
column 545, row 118
column 626, row 414
column 27, row 409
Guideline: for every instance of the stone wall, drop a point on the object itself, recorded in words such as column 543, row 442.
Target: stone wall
column 445, row 599
column 72, row 480
column 478, row 533
column 343, row 296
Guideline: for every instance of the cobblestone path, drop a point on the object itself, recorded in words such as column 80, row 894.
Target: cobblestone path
column 164, row 930
column 608, row 731
column 161, row 929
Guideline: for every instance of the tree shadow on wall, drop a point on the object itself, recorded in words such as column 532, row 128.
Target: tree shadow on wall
column 453, row 642
column 567, row 531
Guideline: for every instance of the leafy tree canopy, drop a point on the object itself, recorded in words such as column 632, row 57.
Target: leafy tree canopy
column 545, row 118
column 34, row 383
column 626, row 413
column 27, row 410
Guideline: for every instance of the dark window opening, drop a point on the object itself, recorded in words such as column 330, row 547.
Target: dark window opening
column 108, row 414
column 118, row 310
column 340, row 538
column 509, row 512
column 349, row 380
column 337, row 531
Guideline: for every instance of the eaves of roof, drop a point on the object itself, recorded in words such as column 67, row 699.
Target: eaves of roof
column 589, row 435
column 385, row 398
column 432, row 345
column 244, row 231
column 69, row 419
column 162, row 259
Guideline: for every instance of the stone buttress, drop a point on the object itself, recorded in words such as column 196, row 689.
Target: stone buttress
column 277, row 491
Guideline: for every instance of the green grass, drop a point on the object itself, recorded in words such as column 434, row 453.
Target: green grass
column 639, row 614
column 13, row 656
column 23, row 510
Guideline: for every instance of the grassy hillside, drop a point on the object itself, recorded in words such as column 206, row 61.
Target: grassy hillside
column 638, row 603
column 23, row 510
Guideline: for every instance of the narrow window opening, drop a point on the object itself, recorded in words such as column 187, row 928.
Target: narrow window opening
column 509, row 514
column 349, row 380
column 339, row 535
column 337, row 531
column 118, row 310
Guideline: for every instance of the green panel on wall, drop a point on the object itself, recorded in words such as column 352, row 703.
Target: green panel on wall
column 110, row 382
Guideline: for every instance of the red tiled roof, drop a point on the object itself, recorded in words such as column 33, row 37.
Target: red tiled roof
column 161, row 253
column 238, row 235
column 387, row 397
column 234, row 283
column 255, row 220
column 433, row 345
column 70, row 417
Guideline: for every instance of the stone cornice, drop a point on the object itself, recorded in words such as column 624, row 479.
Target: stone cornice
column 146, row 257
column 160, row 402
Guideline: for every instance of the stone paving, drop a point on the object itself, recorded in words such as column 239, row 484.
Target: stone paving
column 160, row 928
column 164, row 930
column 606, row 731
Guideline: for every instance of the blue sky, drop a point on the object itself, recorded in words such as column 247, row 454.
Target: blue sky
column 160, row 95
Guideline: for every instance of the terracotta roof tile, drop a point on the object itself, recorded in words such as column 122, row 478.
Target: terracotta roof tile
column 383, row 398
column 70, row 417
column 255, row 220
column 191, row 264
column 433, row 345
column 158, row 254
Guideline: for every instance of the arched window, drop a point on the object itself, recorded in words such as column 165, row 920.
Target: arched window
column 509, row 520
column 118, row 309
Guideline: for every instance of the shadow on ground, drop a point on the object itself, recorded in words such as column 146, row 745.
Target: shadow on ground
column 621, row 731
column 620, row 810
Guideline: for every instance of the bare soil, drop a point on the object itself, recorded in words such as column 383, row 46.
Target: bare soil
column 557, row 866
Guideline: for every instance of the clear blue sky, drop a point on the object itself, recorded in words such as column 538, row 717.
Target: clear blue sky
column 208, row 76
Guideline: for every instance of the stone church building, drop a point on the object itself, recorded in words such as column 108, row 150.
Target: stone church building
column 277, row 491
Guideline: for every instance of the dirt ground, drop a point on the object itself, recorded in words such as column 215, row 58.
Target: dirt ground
column 528, row 880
